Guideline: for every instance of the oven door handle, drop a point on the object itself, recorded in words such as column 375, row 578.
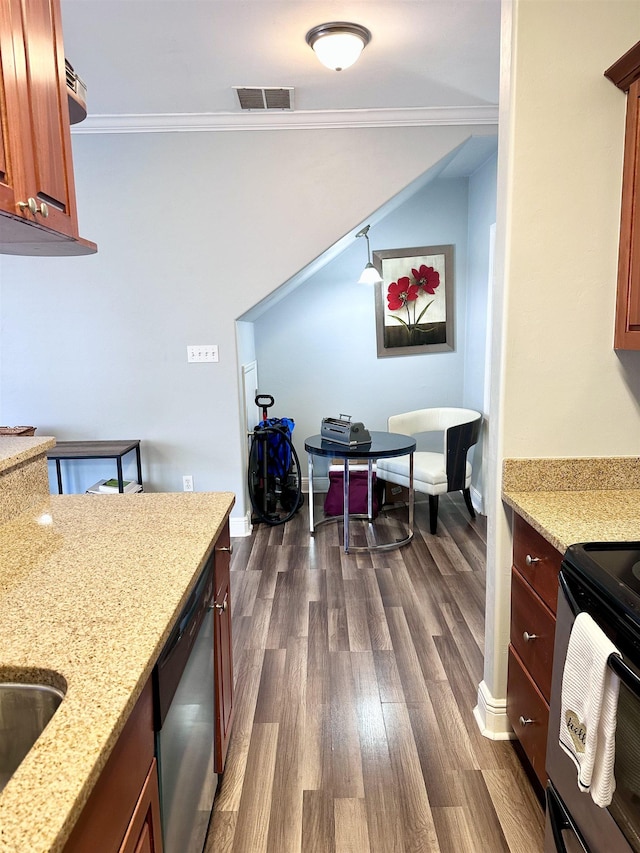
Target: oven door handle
column 615, row 662
column 560, row 820
column 625, row 674
column 564, row 586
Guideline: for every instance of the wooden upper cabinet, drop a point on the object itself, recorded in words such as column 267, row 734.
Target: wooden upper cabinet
column 625, row 74
column 37, row 191
column 48, row 114
column 9, row 114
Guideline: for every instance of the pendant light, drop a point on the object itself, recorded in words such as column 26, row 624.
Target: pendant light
column 338, row 44
column 370, row 274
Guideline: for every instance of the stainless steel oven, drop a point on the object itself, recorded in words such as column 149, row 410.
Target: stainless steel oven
column 602, row 579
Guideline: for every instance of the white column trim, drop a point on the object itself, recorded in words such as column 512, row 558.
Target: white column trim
column 491, row 715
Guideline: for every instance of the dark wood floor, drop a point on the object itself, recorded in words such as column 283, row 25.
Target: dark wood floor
column 356, row 679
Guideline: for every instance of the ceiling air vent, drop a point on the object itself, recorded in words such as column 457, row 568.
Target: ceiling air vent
column 260, row 98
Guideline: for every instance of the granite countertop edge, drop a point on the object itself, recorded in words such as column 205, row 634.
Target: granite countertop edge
column 18, row 449
column 576, row 500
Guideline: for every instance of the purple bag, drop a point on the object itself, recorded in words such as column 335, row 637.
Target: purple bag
column 334, row 503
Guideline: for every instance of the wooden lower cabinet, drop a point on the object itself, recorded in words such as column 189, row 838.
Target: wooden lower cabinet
column 223, row 649
column 528, row 713
column 534, row 592
column 533, row 628
column 122, row 814
column 145, row 830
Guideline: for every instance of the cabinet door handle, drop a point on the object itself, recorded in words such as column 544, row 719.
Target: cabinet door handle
column 527, row 637
column 32, row 204
column 525, row 721
column 227, row 548
column 221, row 607
column 531, row 561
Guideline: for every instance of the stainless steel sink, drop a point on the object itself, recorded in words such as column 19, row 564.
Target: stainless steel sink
column 25, row 710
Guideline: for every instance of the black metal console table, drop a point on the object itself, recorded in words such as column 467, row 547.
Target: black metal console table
column 382, row 445
column 65, row 450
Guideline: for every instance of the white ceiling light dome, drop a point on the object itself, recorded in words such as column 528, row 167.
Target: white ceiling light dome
column 338, row 44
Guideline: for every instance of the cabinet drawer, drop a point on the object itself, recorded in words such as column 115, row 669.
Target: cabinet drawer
column 537, row 561
column 533, row 628
column 528, row 713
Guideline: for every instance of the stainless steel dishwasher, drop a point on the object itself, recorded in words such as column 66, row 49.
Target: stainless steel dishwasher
column 183, row 682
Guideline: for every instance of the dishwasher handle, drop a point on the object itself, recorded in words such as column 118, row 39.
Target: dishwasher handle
column 175, row 655
column 186, row 617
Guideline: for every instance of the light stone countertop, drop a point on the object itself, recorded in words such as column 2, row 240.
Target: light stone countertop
column 576, row 500
column 89, row 589
column 565, row 518
column 17, row 449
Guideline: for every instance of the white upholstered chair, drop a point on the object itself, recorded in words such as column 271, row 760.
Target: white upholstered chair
column 435, row 473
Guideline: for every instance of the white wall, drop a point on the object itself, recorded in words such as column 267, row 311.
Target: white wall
column 482, row 215
column 193, row 229
column 568, row 135
column 561, row 390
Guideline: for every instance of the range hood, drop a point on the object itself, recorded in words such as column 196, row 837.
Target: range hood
column 76, row 94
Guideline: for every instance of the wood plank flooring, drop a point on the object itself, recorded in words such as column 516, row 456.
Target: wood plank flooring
column 356, row 679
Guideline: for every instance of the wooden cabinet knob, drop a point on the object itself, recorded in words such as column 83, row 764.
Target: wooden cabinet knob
column 221, row 607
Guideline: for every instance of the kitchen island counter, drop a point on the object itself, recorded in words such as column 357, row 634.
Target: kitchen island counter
column 89, row 589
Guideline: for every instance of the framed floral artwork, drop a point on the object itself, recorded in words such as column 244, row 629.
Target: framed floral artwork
column 414, row 302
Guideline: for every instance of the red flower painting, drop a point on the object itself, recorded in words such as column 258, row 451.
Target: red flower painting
column 406, row 294
column 400, row 292
column 426, row 278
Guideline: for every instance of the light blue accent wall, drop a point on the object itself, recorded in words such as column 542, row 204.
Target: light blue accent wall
column 316, row 349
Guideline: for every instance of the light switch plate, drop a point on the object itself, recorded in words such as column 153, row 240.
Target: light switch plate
column 202, row 352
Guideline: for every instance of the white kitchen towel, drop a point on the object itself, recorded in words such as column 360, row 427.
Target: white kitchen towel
column 589, row 707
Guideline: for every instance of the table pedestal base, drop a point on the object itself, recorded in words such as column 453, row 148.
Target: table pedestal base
column 347, row 516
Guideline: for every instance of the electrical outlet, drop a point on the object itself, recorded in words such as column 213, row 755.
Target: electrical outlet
column 202, row 352
column 187, row 483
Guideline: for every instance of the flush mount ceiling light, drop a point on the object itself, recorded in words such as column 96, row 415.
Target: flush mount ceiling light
column 370, row 274
column 338, row 44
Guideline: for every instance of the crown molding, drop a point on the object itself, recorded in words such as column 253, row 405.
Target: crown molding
column 295, row 120
column 625, row 70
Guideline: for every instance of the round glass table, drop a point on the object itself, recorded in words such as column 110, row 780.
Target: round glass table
column 382, row 445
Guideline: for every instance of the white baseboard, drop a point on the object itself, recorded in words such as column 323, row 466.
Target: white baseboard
column 477, row 500
column 240, row 526
column 320, row 485
column 491, row 715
